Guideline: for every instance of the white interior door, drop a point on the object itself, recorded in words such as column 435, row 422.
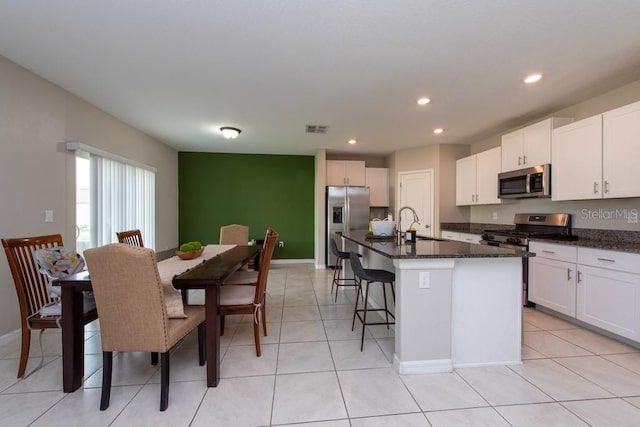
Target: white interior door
column 416, row 190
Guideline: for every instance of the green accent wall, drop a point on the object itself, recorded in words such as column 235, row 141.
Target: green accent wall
column 257, row 190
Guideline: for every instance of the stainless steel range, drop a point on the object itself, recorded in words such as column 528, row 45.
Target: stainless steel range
column 529, row 226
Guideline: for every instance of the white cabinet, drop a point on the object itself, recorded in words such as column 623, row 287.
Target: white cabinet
column 552, row 277
column 377, row 179
column 346, row 172
column 529, row 146
column 596, row 157
column 621, row 151
column 608, row 291
column 460, row 236
column 477, row 178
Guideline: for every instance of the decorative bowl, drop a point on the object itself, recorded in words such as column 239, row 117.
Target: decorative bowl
column 383, row 228
column 190, row 254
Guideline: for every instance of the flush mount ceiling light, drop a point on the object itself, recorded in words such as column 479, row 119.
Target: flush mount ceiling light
column 230, row 132
column 423, row 101
column 533, row 78
column 438, row 131
column 352, row 141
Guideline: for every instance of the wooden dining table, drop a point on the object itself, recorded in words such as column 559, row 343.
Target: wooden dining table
column 208, row 275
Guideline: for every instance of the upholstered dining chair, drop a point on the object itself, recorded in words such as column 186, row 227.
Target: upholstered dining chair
column 31, row 286
column 234, row 234
column 133, row 316
column 242, row 277
column 250, row 299
column 130, row 237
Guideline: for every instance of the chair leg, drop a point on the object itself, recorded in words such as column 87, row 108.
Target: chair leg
column 164, row 380
column 384, row 295
column 24, row 351
column 364, row 315
column 222, row 325
column 355, row 309
column 107, row 365
column 393, row 292
column 264, row 316
column 154, row 358
column 202, row 356
column 256, row 337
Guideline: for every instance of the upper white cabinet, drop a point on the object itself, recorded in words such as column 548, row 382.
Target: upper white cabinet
column 346, row 172
column 620, row 151
column 377, row 179
column 529, row 146
column 477, row 178
column 596, row 157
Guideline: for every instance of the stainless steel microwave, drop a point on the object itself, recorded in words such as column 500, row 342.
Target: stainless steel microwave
column 522, row 183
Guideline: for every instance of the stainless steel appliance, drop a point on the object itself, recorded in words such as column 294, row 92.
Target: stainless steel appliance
column 529, row 226
column 523, row 183
column 347, row 209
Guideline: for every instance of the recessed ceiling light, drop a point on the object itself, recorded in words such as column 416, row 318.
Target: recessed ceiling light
column 438, row 131
column 230, row 132
column 352, row 141
column 532, row 78
column 423, row 101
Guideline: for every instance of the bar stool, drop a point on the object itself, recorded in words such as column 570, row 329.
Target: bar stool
column 370, row 276
column 337, row 273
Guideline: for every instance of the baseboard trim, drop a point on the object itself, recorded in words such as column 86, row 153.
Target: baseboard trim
column 422, row 366
column 482, row 364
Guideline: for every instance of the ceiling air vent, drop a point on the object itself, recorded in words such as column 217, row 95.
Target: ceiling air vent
column 317, row 129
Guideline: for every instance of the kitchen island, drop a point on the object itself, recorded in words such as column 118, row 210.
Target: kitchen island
column 457, row 304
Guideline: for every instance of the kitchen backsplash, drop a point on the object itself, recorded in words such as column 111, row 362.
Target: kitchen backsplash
column 610, row 214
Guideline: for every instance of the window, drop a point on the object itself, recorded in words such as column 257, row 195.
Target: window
column 112, row 194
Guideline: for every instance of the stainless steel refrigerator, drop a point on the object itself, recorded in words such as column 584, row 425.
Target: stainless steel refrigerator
column 347, row 209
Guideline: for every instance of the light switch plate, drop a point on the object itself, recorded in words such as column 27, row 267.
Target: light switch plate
column 425, row 280
column 48, row 215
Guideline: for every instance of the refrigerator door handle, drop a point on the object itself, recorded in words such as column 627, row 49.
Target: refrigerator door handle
column 347, row 215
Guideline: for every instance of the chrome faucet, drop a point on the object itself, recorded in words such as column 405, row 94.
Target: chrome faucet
column 416, row 220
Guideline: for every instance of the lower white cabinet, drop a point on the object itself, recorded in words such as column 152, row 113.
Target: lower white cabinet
column 552, row 277
column 460, row 237
column 598, row 287
column 609, row 297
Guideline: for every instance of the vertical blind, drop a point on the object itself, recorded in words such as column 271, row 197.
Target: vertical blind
column 122, row 198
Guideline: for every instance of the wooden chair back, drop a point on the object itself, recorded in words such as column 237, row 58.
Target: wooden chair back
column 234, row 234
column 31, row 284
column 265, row 263
column 130, row 237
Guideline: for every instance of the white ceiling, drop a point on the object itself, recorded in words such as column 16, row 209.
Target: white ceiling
column 177, row 69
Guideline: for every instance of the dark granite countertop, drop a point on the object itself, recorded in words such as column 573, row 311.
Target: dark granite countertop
column 431, row 248
column 613, row 240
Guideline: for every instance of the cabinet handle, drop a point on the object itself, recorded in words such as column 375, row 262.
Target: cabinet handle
column 606, row 187
column 473, row 197
column 519, row 160
column 568, row 274
column 548, row 251
column 524, row 160
column 595, row 188
column 477, row 198
column 606, row 260
column 579, row 276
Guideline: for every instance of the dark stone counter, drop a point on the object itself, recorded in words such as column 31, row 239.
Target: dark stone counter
column 437, row 248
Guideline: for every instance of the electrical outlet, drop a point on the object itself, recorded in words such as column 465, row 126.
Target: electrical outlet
column 281, row 244
column 425, row 280
column 48, row 215
column 494, row 216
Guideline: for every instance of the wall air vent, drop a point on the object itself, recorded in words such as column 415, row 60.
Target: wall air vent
column 317, row 128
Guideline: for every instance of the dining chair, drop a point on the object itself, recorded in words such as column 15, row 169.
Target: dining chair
column 250, row 299
column 130, row 237
column 133, row 316
column 34, row 299
column 234, row 234
column 242, row 277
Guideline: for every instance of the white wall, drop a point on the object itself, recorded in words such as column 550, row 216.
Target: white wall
column 36, row 118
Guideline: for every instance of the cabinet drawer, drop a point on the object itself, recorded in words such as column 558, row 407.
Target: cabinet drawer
column 612, row 260
column 470, row 238
column 451, row 235
column 553, row 251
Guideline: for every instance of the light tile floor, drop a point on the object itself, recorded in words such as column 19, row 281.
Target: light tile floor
column 312, row 372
